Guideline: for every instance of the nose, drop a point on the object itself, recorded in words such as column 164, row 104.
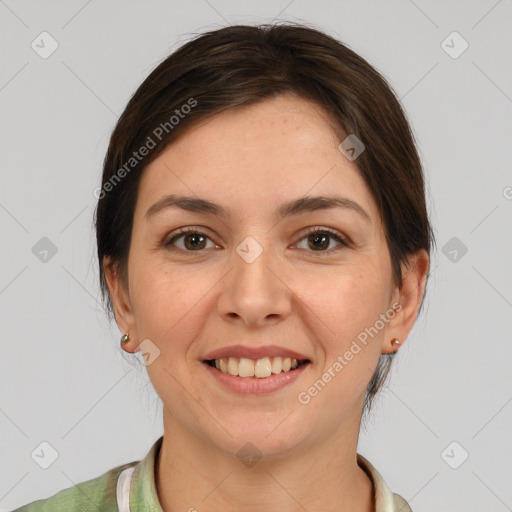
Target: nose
column 255, row 291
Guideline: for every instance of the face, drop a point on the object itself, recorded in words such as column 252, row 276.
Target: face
column 254, row 282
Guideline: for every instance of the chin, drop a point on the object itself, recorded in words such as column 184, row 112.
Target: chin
column 256, row 440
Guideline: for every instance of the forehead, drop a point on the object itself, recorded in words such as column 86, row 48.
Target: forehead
column 255, row 157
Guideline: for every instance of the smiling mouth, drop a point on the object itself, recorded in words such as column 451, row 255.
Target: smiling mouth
column 256, row 368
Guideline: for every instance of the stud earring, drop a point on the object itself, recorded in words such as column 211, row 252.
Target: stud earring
column 124, row 339
column 395, row 341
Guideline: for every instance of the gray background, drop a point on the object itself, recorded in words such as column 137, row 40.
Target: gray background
column 63, row 379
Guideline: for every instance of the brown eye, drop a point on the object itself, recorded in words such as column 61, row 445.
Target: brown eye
column 193, row 240
column 319, row 240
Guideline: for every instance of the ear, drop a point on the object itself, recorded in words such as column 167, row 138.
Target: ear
column 408, row 300
column 120, row 297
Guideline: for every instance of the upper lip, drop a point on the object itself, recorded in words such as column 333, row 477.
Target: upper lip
column 254, row 352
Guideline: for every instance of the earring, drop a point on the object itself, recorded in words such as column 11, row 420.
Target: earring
column 394, row 342
column 124, row 339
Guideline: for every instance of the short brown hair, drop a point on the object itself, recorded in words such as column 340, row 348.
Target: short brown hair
column 241, row 65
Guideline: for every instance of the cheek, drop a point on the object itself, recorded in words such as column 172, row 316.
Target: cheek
column 347, row 302
column 170, row 304
column 160, row 298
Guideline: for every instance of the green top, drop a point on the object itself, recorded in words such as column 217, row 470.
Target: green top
column 109, row 492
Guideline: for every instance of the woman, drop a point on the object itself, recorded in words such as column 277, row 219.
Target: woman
column 263, row 241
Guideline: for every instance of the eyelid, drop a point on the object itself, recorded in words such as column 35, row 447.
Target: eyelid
column 342, row 239
column 168, row 241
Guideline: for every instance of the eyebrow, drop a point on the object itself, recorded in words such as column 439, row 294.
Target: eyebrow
column 299, row 206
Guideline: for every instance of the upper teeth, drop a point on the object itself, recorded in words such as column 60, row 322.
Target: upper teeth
column 264, row 367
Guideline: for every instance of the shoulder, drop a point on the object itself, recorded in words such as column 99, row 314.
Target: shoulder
column 385, row 499
column 400, row 504
column 96, row 494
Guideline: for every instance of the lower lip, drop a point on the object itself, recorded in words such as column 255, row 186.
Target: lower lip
column 254, row 385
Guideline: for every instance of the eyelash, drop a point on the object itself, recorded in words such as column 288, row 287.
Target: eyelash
column 190, row 230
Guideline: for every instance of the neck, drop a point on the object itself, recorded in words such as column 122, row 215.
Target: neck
column 192, row 474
